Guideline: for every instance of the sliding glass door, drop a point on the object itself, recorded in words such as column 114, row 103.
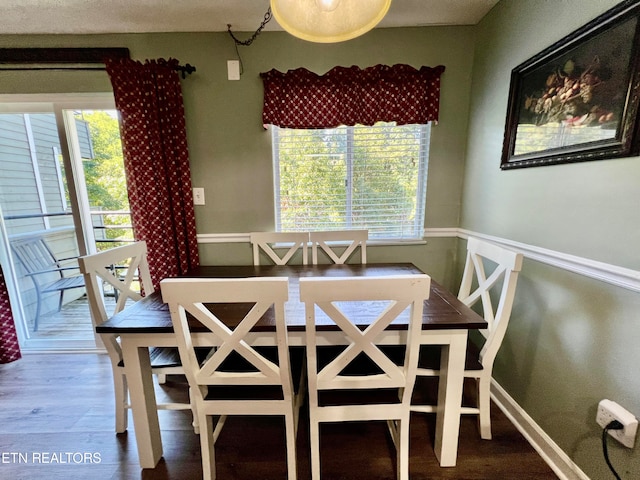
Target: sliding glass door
column 62, row 195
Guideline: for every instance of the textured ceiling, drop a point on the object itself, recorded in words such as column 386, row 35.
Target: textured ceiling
column 130, row 16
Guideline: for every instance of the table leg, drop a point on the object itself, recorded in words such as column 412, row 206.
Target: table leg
column 143, row 402
column 450, row 399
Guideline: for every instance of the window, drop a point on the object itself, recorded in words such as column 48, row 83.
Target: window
column 361, row 177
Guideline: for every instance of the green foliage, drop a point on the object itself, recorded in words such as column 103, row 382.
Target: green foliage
column 382, row 163
column 104, row 174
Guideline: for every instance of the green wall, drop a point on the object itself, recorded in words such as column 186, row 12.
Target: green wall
column 572, row 340
column 231, row 151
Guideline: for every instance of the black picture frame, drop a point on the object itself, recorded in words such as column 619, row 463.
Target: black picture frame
column 578, row 99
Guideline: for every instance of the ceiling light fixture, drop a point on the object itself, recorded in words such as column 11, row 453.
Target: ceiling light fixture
column 328, row 21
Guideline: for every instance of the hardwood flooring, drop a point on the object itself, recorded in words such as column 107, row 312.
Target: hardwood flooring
column 56, row 422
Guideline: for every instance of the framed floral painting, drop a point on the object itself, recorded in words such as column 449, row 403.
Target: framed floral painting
column 578, row 99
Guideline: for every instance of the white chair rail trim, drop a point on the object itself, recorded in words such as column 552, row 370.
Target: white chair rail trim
column 605, row 272
column 246, row 238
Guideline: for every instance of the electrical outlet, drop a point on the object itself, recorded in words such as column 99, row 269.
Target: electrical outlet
column 198, row 196
column 609, row 411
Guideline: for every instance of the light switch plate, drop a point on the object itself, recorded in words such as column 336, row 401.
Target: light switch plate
column 198, row 196
column 233, row 69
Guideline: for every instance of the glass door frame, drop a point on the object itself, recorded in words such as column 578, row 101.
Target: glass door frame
column 62, row 106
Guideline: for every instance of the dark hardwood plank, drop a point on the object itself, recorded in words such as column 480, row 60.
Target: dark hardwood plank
column 63, row 404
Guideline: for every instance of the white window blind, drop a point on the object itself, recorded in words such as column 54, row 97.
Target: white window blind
column 362, row 177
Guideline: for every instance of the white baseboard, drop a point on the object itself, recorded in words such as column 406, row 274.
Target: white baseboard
column 550, row 452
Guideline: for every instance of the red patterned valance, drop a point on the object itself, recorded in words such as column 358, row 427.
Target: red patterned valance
column 350, row 95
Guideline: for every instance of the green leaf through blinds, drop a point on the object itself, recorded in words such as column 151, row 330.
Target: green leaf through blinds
column 362, row 177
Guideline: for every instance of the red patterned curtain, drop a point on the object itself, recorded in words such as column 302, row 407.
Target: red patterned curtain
column 9, row 347
column 156, row 161
column 349, row 96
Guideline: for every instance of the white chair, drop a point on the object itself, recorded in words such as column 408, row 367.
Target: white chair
column 353, row 238
column 214, row 382
column 496, row 292
column 265, row 241
column 123, row 268
column 346, row 302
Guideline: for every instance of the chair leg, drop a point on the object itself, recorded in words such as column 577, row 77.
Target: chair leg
column 290, row 431
column 219, row 424
column 393, row 431
column 402, row 448
column 314, row 435
column 299, row 398
column 121, row 398
column 60, row 300
column 38, row 308
column 194, row 411
column 207, row 447
column 484, row 407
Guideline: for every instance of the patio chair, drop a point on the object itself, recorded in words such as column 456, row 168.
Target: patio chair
column 48, row 273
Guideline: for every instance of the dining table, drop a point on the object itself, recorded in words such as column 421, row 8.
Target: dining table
column 446, row 321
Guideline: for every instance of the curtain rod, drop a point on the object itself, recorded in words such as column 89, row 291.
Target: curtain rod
column 185, row 70
column 66, row 58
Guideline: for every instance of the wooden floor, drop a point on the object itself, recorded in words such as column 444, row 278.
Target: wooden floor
column 56, row 422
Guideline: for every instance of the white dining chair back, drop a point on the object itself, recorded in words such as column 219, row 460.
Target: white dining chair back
column 290, row 242
column 348, row 303
column 490, row 277
column 331, row 242
column 126, row 271
column 221, row 369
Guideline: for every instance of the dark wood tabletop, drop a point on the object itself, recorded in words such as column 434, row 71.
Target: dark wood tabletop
column 442, row 311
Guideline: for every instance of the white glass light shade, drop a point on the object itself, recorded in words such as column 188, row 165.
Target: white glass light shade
column 307, row 19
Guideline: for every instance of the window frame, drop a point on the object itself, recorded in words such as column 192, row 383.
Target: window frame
column 421, row 188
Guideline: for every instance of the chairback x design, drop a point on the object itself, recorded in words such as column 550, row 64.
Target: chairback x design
column 322, row 241
column 187, row 299
column 496, row 292
column 265, row 240
column 375, row 302
column 107, row 267
column 503, row 279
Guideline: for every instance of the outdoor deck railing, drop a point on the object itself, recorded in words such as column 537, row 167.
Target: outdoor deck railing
column 101, row 228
